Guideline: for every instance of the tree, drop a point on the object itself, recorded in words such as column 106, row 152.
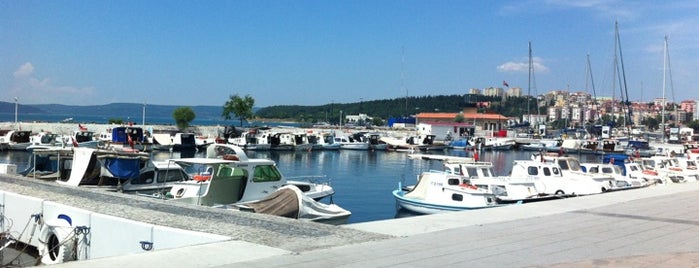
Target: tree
column 182, row 116
column 459, row 118
column 240, row 107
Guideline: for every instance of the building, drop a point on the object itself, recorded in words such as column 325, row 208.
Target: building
column 359, row 119
column 480, row 121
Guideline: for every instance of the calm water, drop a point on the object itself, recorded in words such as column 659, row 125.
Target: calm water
column 363, row 180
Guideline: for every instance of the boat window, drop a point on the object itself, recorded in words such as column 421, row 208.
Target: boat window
column 486, row 172
column 470, row 172
column 574, row 165
column 532, row 171
column 633, row 168
column 607, row 170
column 593, row 170
column 171, row 175
column 457, row 197
column 547, row 171
column 453, row 181
column 556, row 171
column 266, row 173
column 144, row 178
column 563, row 164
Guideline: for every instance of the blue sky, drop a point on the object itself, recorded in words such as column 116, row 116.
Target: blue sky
column 318, row 52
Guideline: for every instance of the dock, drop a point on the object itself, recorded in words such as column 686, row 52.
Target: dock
column 656, row 226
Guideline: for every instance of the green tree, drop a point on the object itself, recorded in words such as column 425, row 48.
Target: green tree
column 182, row 116
column 240, row 107
column 459, row 118
column 377, row 121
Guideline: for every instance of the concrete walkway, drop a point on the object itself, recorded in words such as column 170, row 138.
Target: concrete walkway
column 656, row 226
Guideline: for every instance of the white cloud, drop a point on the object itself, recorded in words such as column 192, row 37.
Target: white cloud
column 31, row 89
column 24, row 71
column 523, row 66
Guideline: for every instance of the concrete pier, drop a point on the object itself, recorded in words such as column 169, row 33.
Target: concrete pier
column 656, row 226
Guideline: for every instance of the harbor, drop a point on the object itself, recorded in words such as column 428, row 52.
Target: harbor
column 650, row 227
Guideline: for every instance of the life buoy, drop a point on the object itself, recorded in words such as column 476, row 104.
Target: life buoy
column 675, row 169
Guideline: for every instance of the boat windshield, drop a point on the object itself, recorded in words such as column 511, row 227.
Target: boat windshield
column 265, row 173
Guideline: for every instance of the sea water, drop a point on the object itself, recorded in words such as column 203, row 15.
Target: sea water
column 363, row 180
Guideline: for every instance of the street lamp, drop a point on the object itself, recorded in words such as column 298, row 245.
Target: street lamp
column 340, row 118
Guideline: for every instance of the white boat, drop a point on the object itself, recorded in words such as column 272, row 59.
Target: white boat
column 227, row 183
column 570, row 167
column 437, row 192
column 550, row 180
column 254, row 139
column 268, row 168
column 350, row 143
column 493, row 143
column 507, row 189
column 323, row 141
column 547, row 145
column 289, row 201
column 622, row 180
column 108, row 169
column 17, row 140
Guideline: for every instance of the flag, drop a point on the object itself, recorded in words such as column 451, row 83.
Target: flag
column 82, row 128
column 504, row 83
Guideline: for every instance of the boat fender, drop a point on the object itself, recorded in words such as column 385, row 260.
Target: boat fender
column 57, row 245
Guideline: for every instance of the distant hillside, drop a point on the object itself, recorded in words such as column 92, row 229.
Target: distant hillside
column 133, row 110
column 9, row 107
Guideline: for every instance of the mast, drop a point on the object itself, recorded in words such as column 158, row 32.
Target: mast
column 592, row 82
column 402, row 78
column 665, row 60
column 529, row 85
column 624, row 94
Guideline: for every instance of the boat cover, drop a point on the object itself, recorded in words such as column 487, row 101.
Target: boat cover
column 162, row 139
column 420, row 189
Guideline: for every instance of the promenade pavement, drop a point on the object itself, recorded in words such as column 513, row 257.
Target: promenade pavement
column 656, row 226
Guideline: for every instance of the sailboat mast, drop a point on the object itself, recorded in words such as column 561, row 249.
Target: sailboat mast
column 592, row 82
column 402, row 78
column 662, row 113
column 624, row 94
column 529, row 85
column 615, row 68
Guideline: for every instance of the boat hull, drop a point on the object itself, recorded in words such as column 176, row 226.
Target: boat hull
column 418, row 206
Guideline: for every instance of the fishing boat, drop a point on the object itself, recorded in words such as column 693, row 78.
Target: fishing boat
column 438, row 192
column 255, row 184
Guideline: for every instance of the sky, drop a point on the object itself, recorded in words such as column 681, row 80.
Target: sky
column 316, row 52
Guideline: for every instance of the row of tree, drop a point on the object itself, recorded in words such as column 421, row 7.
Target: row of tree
column 241, row 108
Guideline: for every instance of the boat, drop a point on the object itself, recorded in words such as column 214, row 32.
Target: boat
column 289, row 201
column 177, row 141
column 546, row 145
column 17, row 140
column 254, row 139
column 507, row 189
column 493, row 143
column 227, row 183
column 310, row 185
column 126, row 138
column 550, row 180
column 351, row 143
column 438, row 192
column 570, row 167
column 622, row 180
column 323, row 141
column 100, row 168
